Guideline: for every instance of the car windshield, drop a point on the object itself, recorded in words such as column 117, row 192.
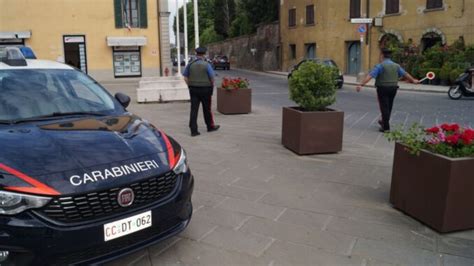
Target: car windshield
column 35, row 93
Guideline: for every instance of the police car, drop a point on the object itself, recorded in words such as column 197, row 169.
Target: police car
column 82, row 180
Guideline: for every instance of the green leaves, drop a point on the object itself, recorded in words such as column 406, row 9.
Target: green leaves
column 313, row 86
column 414, row 138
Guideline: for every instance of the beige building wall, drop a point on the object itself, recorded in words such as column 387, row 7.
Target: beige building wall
column 50, row 20
column 333, row 32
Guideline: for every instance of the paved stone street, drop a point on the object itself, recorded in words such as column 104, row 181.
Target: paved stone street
column 257, row 203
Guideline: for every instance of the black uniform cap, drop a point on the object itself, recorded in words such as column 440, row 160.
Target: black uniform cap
column 201, row 50
column 386, row 52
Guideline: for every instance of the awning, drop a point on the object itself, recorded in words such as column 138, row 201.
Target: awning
column 126, row 41
column 15, row 34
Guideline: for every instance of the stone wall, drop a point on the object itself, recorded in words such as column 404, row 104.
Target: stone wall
column 259, row 51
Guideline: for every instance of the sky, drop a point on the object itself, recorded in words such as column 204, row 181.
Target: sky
column 172, row 7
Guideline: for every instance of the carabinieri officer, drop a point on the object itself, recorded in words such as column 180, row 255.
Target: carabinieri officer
column 199, row 76
column 386, row 76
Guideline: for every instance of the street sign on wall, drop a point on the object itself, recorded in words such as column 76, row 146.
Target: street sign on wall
column 361, row 20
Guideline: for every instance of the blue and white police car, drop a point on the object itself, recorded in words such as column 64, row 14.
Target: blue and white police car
column 82, row 180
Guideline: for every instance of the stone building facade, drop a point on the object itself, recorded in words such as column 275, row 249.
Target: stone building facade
column 323, row 28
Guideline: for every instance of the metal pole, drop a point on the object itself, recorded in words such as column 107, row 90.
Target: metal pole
column 196, row 23
column 178, row 44
column 186, row 55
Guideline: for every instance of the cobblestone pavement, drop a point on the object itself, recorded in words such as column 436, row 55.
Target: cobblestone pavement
column 257, row 203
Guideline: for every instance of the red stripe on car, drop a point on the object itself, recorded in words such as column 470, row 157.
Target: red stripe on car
column 169, row 147
column 38, row 187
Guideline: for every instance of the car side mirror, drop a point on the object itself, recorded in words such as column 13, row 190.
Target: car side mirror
column 123, row 99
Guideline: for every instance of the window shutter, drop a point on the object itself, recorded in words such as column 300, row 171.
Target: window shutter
column 434, row 4
column 118, row 13
column 355, row 9
column 392, row 6
column 143, row 14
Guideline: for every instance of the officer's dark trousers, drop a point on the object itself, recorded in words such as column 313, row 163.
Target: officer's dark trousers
column 201, row 95
column 386, row 95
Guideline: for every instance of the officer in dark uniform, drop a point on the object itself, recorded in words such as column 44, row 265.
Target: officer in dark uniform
column 386, row 75
column 199, row 76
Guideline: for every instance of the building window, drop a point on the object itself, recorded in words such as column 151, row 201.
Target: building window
column 310, row 15
column 392, row 7
column 127, row 61
column 292, row 51
column 292, row 17
column 355, row 9
column 130, row 13
column 431, row 4
column 310, row 49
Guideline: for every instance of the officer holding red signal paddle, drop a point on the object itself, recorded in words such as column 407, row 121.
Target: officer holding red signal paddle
column 386, row 75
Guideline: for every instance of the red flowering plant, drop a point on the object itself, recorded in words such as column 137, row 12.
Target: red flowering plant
column 234, row 83
column 450, row 140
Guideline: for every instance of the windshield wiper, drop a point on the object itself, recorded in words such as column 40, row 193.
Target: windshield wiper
column 5, row 122
column 56, row 115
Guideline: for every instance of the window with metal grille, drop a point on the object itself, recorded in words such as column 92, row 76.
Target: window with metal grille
column 130, row 13
column 310, row 15
column 392, row 6
column 430, row 4
column 355, row 9
column 292, row 17
column 292, row 51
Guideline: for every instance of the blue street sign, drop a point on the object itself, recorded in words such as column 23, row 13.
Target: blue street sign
column 362, row 28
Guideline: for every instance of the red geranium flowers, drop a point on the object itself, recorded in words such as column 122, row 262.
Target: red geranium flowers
column 451, row 140
column 451, row 134
column 234, row 83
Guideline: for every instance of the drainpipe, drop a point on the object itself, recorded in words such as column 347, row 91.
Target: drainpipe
column 368, row 33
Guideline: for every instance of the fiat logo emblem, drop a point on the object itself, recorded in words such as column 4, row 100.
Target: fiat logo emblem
column 125, row 197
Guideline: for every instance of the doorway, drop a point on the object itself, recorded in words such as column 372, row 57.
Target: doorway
column 75, row 51
column 354, row 58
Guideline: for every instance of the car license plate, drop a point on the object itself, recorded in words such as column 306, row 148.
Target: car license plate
column 127, row 226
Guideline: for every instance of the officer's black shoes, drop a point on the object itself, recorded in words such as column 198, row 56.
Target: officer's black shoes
column 194, row 134
column 215, row 128
column 384, row 130
column 380, row 123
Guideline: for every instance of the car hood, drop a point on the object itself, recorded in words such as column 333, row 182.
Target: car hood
column 78, row 155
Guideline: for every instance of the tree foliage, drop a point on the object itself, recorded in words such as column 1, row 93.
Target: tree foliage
column 220, row 19
column 224, row 14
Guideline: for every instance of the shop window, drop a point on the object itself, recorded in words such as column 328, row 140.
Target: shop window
column 292, row 51
column 130, row 13
column 310, row 15
column 432, row 4
column 292, row 17
column 355, row 9
column 392, row 7
column 127, row 61
column 310, row 49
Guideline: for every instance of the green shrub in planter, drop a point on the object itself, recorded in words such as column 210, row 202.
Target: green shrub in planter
column 313, row 86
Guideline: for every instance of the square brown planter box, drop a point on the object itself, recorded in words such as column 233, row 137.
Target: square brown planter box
column 312, row 132
column 434, row 189
column 234, row 101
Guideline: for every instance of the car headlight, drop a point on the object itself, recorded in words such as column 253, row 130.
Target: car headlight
column 181, row 166
column 13, row 203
